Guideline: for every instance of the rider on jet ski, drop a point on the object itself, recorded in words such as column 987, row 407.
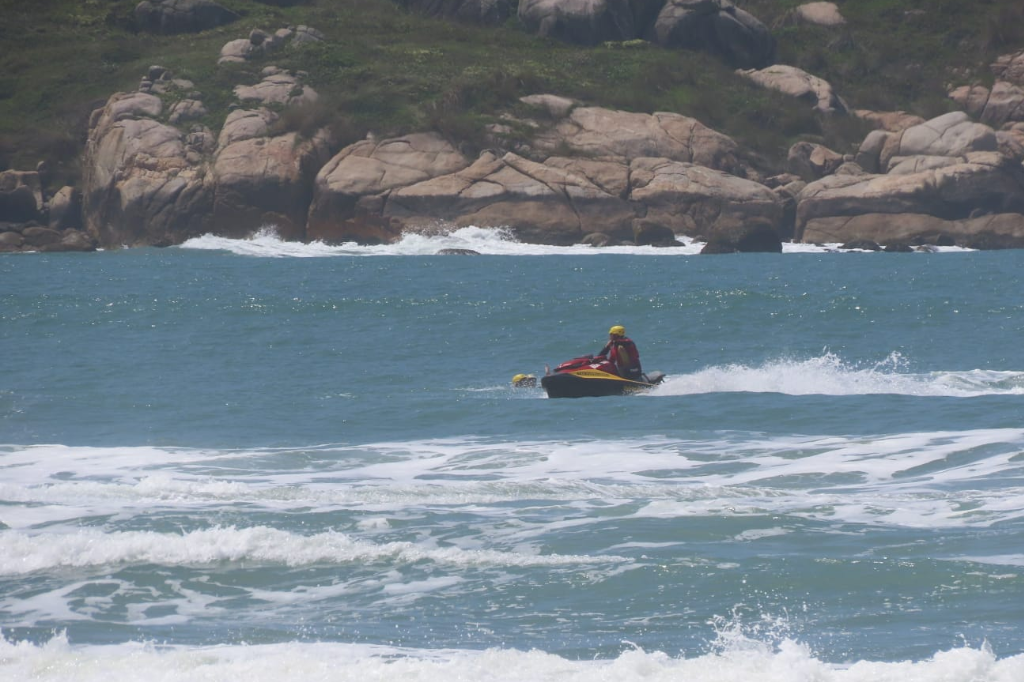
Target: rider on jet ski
column 622, row 353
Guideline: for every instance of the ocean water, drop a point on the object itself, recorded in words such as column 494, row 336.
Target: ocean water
column 248, row 459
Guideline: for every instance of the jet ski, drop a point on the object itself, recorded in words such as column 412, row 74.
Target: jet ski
column 590, row 377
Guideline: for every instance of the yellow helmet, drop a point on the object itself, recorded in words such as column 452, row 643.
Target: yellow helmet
column 617, row 330
column 524, row 380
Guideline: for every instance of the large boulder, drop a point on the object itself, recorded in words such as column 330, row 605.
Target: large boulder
column 797, row 83
column 984, row 183
column 263, row 177
column 597, row 133
column 1003, row 103
column 146, row 182
column 998, row 231
column 539, row 203
column 368, row 169
column 892, row 121
column 278, row 87
column 246, row 124
column 952, row 135
column 1010, row 68
column 737, row 234
column 21, row 198
column 582, row 22
column 612, row 177
column 38, row 237
column 690, row 198
column 267, row 181
column 818, row 14
column 141, row 185
column 372, row 192
column 66, row 209
column 717, row 27
column 260, row 43
column 166, row 17
column 810, row 161
column 10, row 240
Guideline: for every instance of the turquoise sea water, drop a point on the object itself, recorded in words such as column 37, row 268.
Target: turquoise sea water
column 268, row 461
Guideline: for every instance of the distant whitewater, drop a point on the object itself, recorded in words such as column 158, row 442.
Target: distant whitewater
column 485, row 241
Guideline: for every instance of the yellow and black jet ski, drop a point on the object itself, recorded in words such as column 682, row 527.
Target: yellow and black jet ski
column 590, row 377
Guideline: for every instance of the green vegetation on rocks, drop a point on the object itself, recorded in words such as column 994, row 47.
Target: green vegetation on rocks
column 386, row 70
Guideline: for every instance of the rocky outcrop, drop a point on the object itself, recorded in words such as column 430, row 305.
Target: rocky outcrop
column 592, row 132
column 689, row 198
column 891, row 121
column 262, row 177
column 261, row 43
column 810, row 161
column 740, row 234
column 569, row 174
column 65, row 209
column 1000, row 231
column 952, row 135
column 266, row 180
column 166, row 17
column 1003, row 102
column 631, row 177
column 21, row 197
column 33, row 237
column 714, row 26
column 945, row 180
column 797, row 83
column 278, row 87
column 833, row 209
column 582, row 22
column 147, row 181
column 348, row 191
column 140, row 185
column 818, row 14
column 31, row 221
column 537, row 202
column 560, row 201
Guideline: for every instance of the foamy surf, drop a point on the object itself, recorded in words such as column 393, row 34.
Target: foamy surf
column 22, row 553
column 265, row 243
column 942, row 479
column 485, row 241
column 56, row 660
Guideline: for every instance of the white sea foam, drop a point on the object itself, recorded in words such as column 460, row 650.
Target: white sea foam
column 954, row 479
column 22, row 553
column 490, row 241
column 487, row 241
column 790, row 661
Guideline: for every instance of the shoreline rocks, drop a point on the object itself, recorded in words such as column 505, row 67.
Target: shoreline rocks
column 154, row 174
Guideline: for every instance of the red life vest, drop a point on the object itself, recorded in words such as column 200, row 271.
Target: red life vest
column 624, row 355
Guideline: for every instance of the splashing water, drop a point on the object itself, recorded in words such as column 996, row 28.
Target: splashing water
column 265, row 243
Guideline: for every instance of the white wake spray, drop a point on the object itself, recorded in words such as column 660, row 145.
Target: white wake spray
column 828, row 374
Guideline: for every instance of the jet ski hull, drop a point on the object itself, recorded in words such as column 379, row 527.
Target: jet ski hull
column 593, row 383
